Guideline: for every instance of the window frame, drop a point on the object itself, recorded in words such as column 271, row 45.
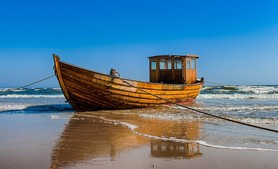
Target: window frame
column 177, row 64
column 162, row 64
column 165, row 64
column 193, row 64
column 153, row 65
column 188, row 64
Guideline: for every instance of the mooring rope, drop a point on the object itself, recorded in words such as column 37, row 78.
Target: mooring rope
column 202, row 112
column 9, row 90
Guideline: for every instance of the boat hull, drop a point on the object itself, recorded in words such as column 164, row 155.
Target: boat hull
column 87, row 90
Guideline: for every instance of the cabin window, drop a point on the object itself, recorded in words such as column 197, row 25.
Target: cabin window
column 193, row 64
column 188, row 65
column 165, row 64
column 169, row 64
column 177, row 64
column 153, row 65
column 162, row 64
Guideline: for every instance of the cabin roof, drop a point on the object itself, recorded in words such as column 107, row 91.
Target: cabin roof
column 166, row 56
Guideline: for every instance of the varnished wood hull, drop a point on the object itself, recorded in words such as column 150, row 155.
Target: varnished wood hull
column 88, row 90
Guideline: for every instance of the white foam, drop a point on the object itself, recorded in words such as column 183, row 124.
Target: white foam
column 238, row 96
column 207, row 88
column 259, row 89
column 272, row 121
column 18, row 90
column 7, row 107
column 130, row 126
column 59, row 117
column 31, row 107
column 243, row 89
column 55, row 117
column 170, row 116
column 115, row 122
column 239, row 108
column 11, row 96
column 203, row 143
column 251, row 120
column 4, row 89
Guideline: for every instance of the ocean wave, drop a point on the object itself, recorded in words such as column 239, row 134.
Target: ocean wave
column 46, row 89
column 46, row 108
column 18, row 90
column 27, row 108
column 238, row 108
column 171, row 116
column 273, row 121
column 246, row 117
column 259, row 89
column 39, row 89
column 227, row 88
column 30, row 91
column 238, row 96
column 4, row 89
column 10, row 96
column 9, row 107
column 240, row 90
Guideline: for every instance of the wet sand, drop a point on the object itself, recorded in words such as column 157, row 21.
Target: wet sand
column 27, row 140
column 115, row 139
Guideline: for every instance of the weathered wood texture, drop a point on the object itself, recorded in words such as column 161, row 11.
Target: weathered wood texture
column 89, row 90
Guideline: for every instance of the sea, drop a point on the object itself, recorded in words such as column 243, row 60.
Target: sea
column 253, row 104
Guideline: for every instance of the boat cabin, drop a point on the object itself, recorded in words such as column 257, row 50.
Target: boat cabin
column 173, row 69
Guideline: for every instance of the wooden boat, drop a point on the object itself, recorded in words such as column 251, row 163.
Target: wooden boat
column 172, row 77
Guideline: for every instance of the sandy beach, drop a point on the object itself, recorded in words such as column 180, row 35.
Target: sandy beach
column 119, row 139
column 146, row 84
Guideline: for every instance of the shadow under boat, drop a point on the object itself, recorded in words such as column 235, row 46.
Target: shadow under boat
column 87, row 138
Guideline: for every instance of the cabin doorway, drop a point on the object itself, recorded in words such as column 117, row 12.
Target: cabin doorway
column 178, row 71
column 190, row 75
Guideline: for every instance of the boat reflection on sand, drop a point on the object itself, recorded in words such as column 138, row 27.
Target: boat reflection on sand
column 88, row 138
column 169, row 149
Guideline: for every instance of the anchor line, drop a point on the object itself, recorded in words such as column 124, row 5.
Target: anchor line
column 30, row 84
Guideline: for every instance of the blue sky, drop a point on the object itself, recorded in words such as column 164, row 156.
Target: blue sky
column 237, row 40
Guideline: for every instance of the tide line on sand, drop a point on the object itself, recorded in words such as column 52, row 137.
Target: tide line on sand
column 132, row 128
